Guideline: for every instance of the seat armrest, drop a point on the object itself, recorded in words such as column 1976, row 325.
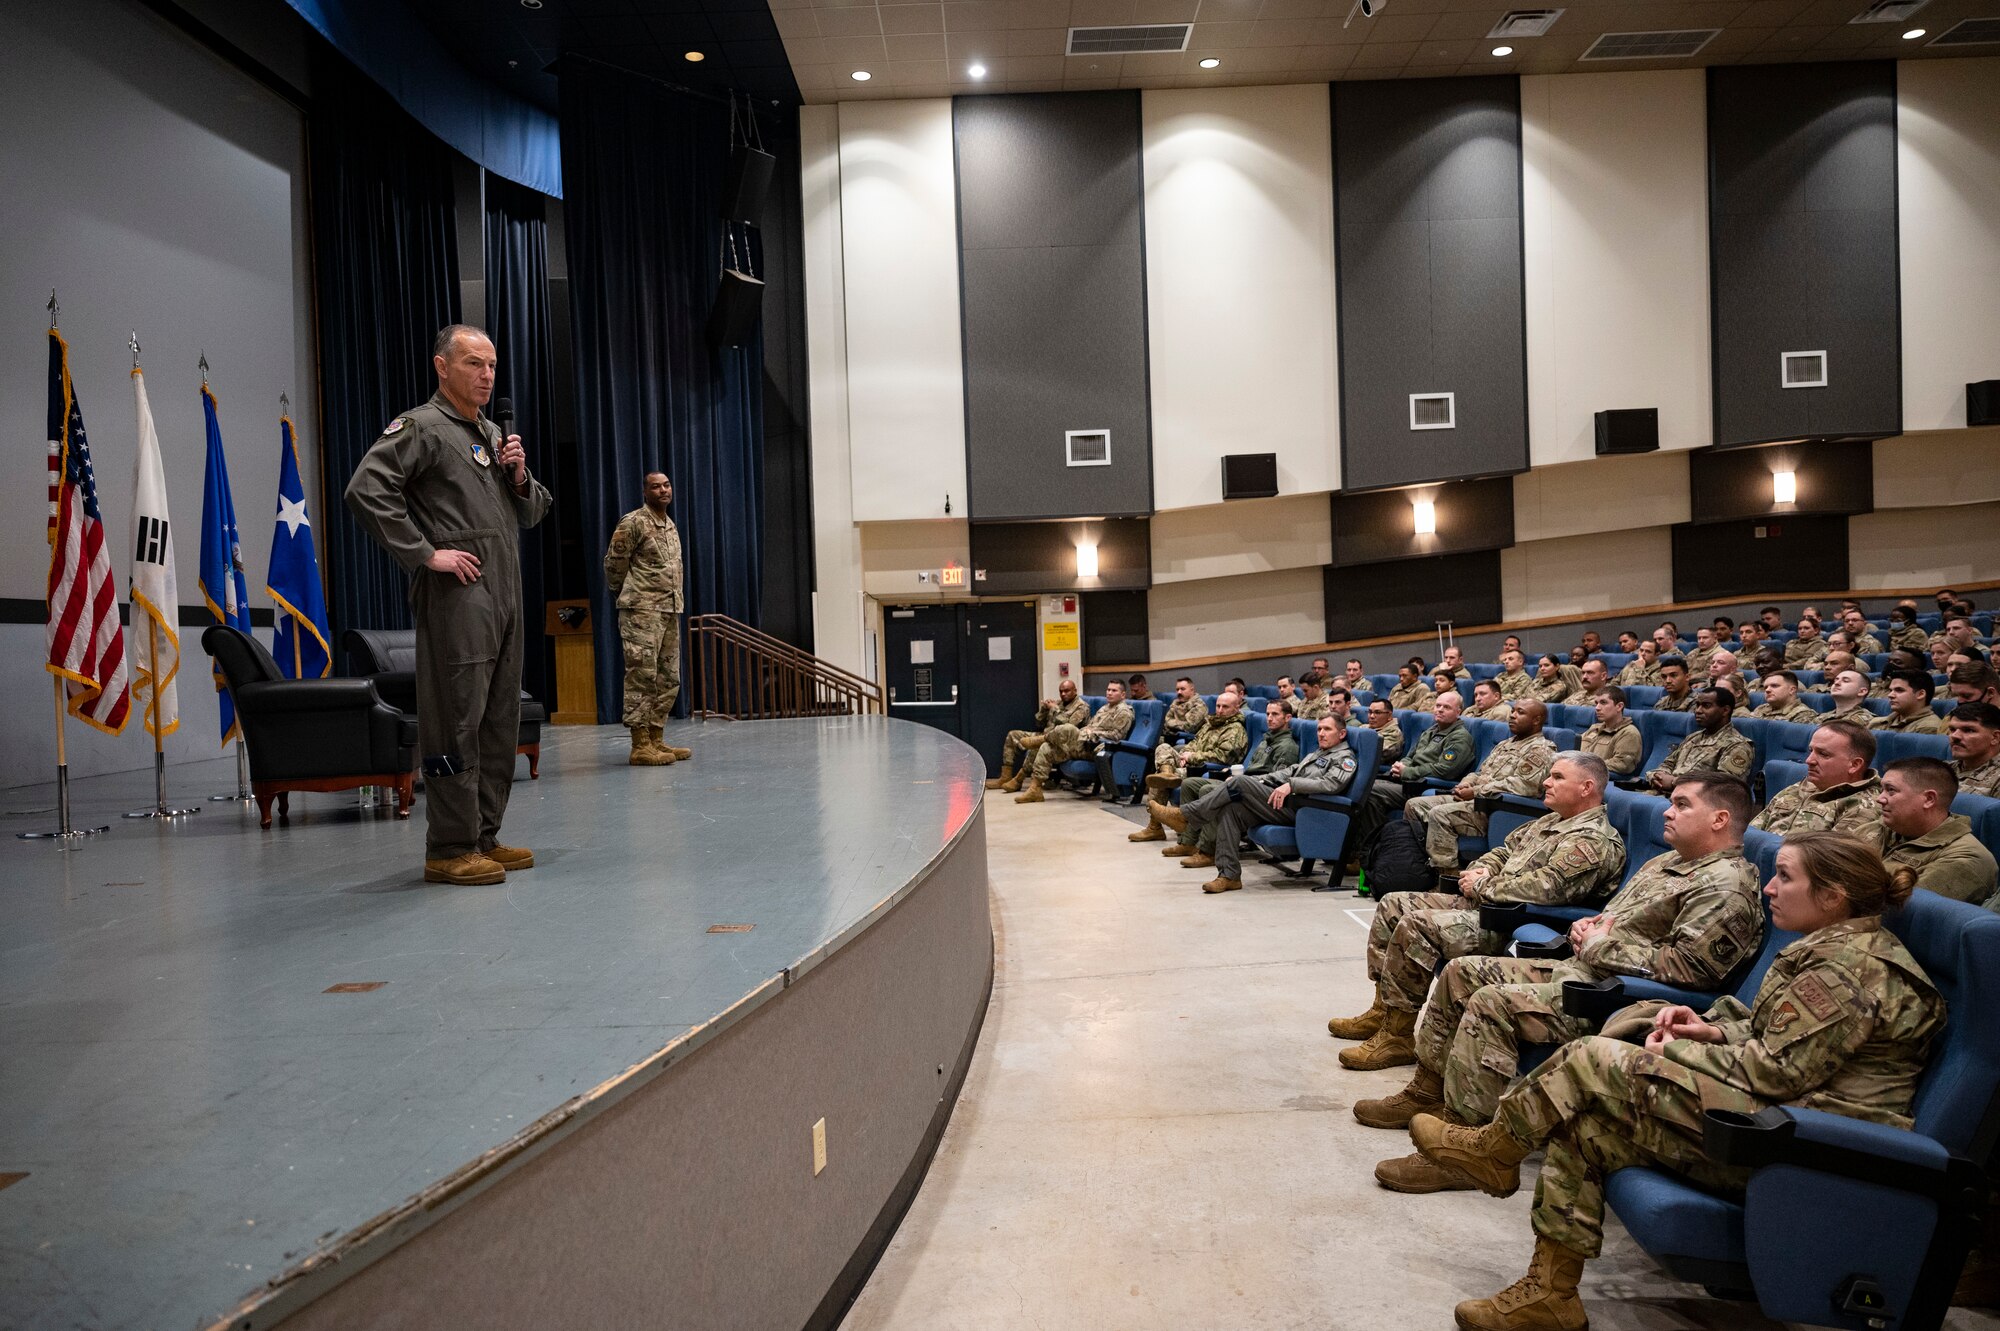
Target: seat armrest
column 307, row 695
column 1331, row 803
column 1509, row 803
column 1555, row 949
column 1502, row 917
column 1594, row 1000
column 1843, row 1147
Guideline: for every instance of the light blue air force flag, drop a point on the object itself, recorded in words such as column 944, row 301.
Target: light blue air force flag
column 300, row 639
column 222, row 584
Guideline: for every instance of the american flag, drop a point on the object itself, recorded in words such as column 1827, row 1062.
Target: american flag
column 86, row 640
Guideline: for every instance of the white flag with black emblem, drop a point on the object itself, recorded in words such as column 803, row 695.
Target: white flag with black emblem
column 154, row 637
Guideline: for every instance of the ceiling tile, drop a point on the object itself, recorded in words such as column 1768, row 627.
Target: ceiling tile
column 853, row 51
column 1384, row 55
column 985, row 47
column 807, row 50
column 922, row 46
column 1164, row 65
column 1101, row 13
column 1400, row 27
column 797, row 22
column 1228, row 11
column 903, row 19
column 907, row 72
column 864, row 21
column 976, row 16
column 1281, row 32
column 1023, row 68
column 1038, row 41
column 1094, row 67
column 1320, row 59
column 1221, row 36
column 1165, row 11
column 1444, row 53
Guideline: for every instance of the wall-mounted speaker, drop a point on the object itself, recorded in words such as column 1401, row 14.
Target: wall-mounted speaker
column 749, row 180
column 1982, row 402
column 1249, row 475
column 1632, row 430
column 732, row 320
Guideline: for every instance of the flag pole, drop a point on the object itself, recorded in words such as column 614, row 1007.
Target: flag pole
column 65, row 832
column 159, row 809
column 242, row 795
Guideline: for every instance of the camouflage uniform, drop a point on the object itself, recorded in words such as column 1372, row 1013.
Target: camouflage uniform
column 1857, row 714
column 1216, row 740
column 1698, row 660
column 1516, row 766
column 643, row 570
column 1846, row 808
column 1499, row 711
column 1949, row 860
column 1183, row 718
column 1842, row 1023
column 1551, row 691
column 1274, row 751
column 1391, row 736
column 1669, row 703
column 1981, row 780
column 1728, row 751
column 1412, row 697
column 1065, row 740
column 1322, row 772
column 1803, row 655
column 1925, row 722
column 1795, row 712
column 1682, row 922
column 1312, row 709
column 1868, row 645
column 1551, row 861
column 1636, row 671
column 1443, row 752
column 1909, row 638
column 1515, row 684
column 1621, row 749
column 1075, row 712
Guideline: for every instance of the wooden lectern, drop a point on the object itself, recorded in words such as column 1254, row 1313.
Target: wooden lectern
column 568, row 622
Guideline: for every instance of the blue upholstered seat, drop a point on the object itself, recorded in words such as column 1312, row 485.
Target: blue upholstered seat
column 1320, row 832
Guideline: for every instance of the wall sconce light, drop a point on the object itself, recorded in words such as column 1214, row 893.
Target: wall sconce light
column 1784, row 487
column 1427, row 517
column 1086, row 561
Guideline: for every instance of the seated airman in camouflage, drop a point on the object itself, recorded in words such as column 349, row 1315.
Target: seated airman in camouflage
column 1514, row 681
column 1570, row 854
column 1974, row 733
column 1590, row 677
column 1382, row 720
column 1313, row 702
column 1614, row 737
column 1903, row 630
column 1838, row 792
column 1643, row 669
column 1715, row 745
column 1516, row 766
column 1677, row 686
column 1223, row 739
column 1202, row 796
column 1184, row 716
column 1487, row 704
column 1855, row 625
column 1686, row 918
column 1066, row 740
column 1781, row 701
column 1910, row 711
column 1808, row 649
column 1411, row 694
column 1066, row 708
column 1921, row 831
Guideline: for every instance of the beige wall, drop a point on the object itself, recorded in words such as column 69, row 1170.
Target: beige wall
column 1609, row 495
column 1925, row 547
column 1579, row 575
column 1250, row 536
column 893, row 553
column 1934, row 470
column 1215, row 616
column 837, row 607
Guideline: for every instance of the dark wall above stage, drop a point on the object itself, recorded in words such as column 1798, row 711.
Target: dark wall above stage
column 1017, row 557
column 1412, row 595
column 1830, row 476
column 1802, row 237
column 1381, row 525
column 1427, row 187
column 1053, row 286
column 1760, row 557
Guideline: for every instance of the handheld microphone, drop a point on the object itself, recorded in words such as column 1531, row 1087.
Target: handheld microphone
column 503, row 416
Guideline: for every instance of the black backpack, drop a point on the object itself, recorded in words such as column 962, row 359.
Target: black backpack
column 1397, row 862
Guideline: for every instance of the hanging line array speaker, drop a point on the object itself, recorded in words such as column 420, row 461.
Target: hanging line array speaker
column 739, row 300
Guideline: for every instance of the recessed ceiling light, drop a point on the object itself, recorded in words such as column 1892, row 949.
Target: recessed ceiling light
column 1210, row 63
column 1913, row 34
column 531, row 4
column 861, row 76
column 694, row 57
column 977, row 71
column 1503, row 50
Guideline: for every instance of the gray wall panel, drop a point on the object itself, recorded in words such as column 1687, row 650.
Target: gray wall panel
column 1052, row 266
column 1428, row 180
column 1803, row 246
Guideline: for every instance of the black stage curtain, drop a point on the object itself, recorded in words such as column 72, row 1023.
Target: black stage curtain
column 385, row 270
column 643, row 168
column 517, row 315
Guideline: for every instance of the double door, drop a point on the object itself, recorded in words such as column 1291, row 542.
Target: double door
column 969, row 670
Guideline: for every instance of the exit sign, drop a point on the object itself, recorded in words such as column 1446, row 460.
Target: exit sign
column 952, row 575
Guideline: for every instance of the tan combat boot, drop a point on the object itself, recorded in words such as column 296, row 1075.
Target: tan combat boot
column 1033, row 742
column 1545, row 1299
column 1032, row 794
column 660, row 742
column 1489, row 1157
column 1393, row 1046
column 1414, row 1174
column 1199, row 860
column 1000, row 782
column 1424, row 1095
column 1215, row 885
column 1361, row 1027
column 1152, row 831
column 1166, row 815
column 1159, row 783
column 511, row 858
column 1178, row 849
column 468, row 870
column 643, row 752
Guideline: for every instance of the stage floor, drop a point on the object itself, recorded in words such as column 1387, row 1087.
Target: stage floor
column 192, row 1103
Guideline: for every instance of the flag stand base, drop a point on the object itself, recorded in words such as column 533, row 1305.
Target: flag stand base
column 160, row 809
column 65, row 832
column 242, row 795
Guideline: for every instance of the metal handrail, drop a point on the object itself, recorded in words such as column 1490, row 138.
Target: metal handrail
column 741, row 673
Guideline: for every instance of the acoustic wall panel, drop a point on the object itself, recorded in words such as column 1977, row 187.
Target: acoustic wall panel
column 1412, row 595
column 1427, row 178
column 1053, row 271
column 1615, row 206
column 1239, row 286
column 1760, row 557
column 1829, row 476
column 1380, row 525
column 1948, row 188
column 1014, row 557
column 1802, row 233
column 899, row 251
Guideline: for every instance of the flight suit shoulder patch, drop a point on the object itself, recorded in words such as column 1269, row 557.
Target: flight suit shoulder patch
column 394, row 426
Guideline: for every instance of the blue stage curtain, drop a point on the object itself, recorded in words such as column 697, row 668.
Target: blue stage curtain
column 643, row 168
column 517, row 315
column 385, row 270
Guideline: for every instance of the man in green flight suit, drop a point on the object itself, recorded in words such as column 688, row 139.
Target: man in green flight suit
column 643, row 569
column 445, row 494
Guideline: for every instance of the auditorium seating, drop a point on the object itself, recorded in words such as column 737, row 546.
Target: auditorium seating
column 1844, row 1222
column 1132, row 757
column 1660, row 731
column 1895, row 745
column 1321, row 830
column 1984, row 815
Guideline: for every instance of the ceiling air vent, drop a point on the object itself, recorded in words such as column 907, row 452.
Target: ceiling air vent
column 1649, row 45
column 1802, row 369
column 1144, row 39
column 1087, row 448
column 1889, row 11
column 1433, row 411
column 1525, row 23
column 1972, row 32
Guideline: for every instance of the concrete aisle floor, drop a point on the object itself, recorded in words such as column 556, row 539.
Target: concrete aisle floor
column 1155, row 1133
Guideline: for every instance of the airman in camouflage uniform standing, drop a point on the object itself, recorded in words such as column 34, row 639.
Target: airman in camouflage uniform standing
column 1570, row 854
column 643, row 569
column 1065, row 709
column 1516, row 766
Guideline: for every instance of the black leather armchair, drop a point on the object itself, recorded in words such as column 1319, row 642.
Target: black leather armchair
column 311, row 734
column 389, row 657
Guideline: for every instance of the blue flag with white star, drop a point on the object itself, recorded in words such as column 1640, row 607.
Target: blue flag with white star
column 300, row 640
column 222, row 584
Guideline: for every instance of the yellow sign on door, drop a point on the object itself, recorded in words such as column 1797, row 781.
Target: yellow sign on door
column 1059, row 637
